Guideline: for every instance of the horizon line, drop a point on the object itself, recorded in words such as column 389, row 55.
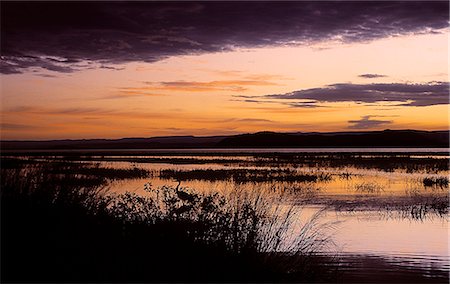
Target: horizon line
column 219, row 135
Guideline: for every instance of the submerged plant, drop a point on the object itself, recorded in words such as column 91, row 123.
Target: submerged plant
column 441, row 181
column 369, row 187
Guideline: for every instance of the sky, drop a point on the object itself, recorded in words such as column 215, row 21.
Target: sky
column 112, row 69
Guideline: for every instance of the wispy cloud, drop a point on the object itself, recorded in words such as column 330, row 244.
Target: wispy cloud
column 16, row 126
column 163, row 88
column 248, row 120
column 265, row 100
column 133, row 92
column 223, row 85
column 371, row 76
column 82, row 112
column 367, row 123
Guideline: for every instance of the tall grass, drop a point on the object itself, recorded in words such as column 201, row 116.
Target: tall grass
column 54, row 231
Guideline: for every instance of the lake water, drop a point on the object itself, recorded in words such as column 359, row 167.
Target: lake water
column 385, row 217
column 249, row 150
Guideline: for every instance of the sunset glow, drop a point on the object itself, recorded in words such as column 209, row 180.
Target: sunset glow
column 241, row 89
column 224, row 141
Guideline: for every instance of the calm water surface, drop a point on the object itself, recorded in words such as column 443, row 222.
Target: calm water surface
column 250, row 150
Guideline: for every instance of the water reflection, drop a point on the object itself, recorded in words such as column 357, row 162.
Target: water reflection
column 385, row 218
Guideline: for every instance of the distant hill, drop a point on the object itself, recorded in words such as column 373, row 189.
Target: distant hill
column 386, row 138
column 124, row 143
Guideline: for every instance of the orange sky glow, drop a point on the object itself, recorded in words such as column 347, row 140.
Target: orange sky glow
column 228, row 92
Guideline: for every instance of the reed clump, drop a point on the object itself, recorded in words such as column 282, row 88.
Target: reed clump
column 440, row 181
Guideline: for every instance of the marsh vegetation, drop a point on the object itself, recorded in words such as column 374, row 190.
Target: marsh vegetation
column 244, row 175
column 215, row 218
column 90, row 234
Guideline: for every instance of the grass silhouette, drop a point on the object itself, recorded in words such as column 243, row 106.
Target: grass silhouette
column 441, row 181
column 68, row 229
column 388, row 162
column 243, row 175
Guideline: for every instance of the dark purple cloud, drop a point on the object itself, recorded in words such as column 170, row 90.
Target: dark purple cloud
column 371, row 76
column 68, row 36
column 366, row 122
column 433, row 93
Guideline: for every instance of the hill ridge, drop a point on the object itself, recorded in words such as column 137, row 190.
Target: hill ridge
column 265, row 139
